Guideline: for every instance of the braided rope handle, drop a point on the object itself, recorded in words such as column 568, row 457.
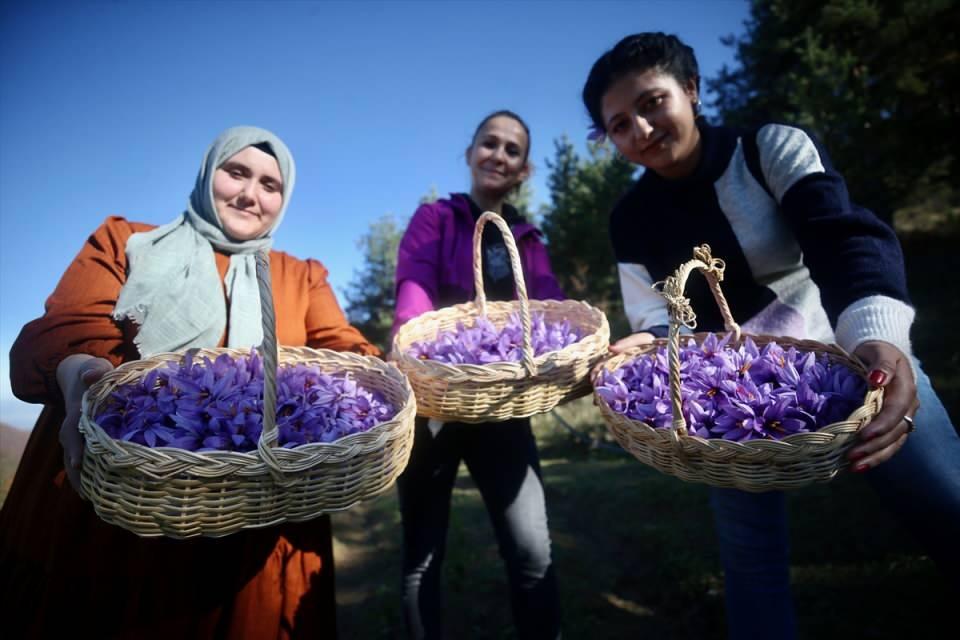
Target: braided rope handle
column 521, row 286
column 268, row 353
column 681, row 313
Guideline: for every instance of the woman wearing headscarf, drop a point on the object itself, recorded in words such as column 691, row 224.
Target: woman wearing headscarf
column 135, row 290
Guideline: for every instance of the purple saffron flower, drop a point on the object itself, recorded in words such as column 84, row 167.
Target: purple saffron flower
column 217, row 405
column 483, row 342
column 736, row 393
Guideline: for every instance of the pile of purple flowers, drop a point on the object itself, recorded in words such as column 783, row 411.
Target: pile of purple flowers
column 483, row 343
column 740, row 394
column 204, row 405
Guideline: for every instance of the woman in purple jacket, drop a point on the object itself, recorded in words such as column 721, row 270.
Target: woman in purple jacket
column 435, row 269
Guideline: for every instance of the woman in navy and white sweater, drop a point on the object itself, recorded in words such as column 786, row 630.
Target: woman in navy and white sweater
column 802, row 261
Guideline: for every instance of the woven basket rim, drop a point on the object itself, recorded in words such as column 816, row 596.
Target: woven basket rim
column 872, row 399
column 218, row 456
column 471, row 309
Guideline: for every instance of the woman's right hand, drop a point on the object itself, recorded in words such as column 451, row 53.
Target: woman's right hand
column 635, row 340
column 75, row 374
column 890, row 369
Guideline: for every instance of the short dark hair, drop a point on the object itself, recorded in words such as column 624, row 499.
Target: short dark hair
column 508, row 114
column 638, row 52
column 265, row 147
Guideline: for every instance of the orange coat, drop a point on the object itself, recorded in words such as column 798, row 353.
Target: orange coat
column 62, row 570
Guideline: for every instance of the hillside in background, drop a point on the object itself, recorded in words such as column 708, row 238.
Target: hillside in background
column 12, row 442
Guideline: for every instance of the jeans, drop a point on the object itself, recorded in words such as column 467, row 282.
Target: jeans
column 503, row 461
column 920, row 484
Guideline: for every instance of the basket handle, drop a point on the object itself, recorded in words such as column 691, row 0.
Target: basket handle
column 268, row 353
column 681, row 313
column 481, row 299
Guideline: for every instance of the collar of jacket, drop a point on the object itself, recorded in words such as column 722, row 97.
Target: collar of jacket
column 460, row 203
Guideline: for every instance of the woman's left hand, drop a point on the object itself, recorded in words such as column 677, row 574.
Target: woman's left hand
column 634, row 340
column 887, row 367
column 75, row 374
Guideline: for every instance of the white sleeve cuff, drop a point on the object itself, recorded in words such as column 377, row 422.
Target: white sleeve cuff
column 643, row 306
column 875, row 318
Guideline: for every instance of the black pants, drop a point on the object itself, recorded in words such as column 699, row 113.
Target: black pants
column 503, row 461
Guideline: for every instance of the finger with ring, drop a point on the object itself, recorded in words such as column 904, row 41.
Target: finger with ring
column 911, row 427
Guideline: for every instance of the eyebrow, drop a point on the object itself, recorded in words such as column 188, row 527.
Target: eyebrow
column 233, row 164
column 643, row 96
column 498, row 138
column 271, row 179
column 646, row 93
column 612, row 119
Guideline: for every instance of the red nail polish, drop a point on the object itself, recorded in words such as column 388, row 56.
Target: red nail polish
column 856, row 455
column 877, row 377
column 860, row 468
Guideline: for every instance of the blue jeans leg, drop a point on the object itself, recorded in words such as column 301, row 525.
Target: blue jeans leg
column 754, row 551
column 921, row 483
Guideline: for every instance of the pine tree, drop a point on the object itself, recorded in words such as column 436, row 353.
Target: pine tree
column 370, row 295
column 576, row 223
column 877, row 80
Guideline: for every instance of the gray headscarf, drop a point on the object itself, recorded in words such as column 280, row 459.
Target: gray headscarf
column 173, row 290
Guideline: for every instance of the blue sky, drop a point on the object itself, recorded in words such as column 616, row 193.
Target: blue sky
column 106, row 109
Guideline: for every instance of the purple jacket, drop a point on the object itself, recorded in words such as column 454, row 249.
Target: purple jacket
column 435, row 260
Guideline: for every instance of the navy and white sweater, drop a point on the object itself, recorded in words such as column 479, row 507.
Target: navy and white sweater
column 802, row 260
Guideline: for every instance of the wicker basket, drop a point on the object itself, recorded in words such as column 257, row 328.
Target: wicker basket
column 501, row 390
column 181, row 494
column 754, row 465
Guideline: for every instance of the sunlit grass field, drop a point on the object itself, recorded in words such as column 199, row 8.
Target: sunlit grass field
column 636, row 556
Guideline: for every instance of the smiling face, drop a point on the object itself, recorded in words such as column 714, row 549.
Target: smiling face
column 497, row 157
column 248, row 193
column 650, row 118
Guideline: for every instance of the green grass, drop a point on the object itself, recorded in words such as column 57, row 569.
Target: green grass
column 636, row 556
